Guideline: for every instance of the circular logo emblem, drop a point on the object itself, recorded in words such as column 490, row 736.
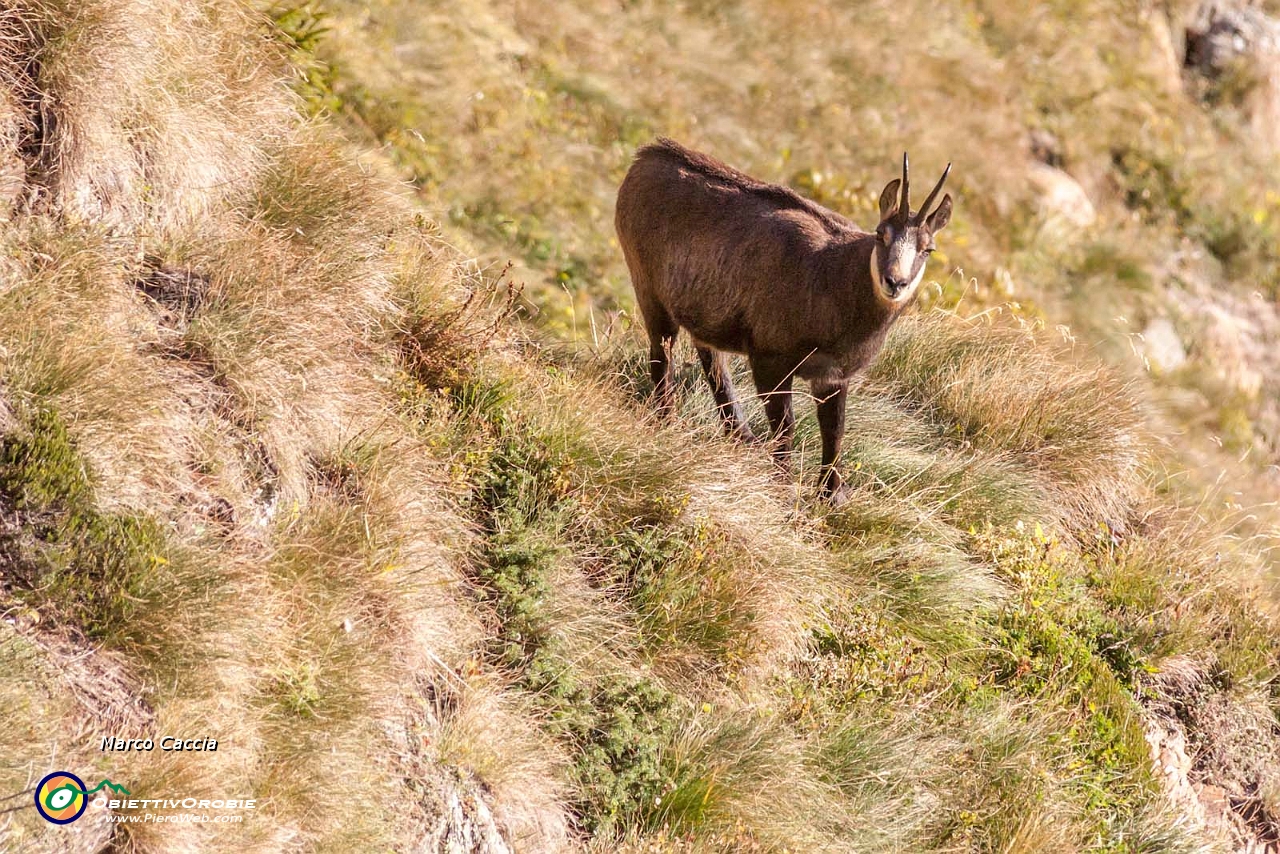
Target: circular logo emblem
column 60, row 797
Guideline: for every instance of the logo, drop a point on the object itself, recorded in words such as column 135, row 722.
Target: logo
column 61, row 797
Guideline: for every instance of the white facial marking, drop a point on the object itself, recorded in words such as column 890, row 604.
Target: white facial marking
column 911, row 288
column 905, row 261
column 906, row 292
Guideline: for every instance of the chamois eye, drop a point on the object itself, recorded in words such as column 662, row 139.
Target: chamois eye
column 883, row 234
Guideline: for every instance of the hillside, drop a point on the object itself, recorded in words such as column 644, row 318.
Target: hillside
column 285, row 462
column 1101, row 187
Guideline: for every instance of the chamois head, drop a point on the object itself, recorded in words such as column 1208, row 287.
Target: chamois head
column 904, row 240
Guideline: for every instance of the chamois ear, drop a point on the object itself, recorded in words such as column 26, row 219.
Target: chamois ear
column 889, row 198
column 938, row 219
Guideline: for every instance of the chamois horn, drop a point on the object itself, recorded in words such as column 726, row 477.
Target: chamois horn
column 904, row 206
column 924, row 209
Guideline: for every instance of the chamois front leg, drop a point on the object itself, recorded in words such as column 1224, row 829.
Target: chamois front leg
column 831, row 410
column 716, row 367
column 662, row 339
column 660, row 373
column 773, row 383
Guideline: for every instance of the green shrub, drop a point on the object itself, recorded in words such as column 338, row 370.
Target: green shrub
column 300, row 28
column 98, row 571
column 615, row 724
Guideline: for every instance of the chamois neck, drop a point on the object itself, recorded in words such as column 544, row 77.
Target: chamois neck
column 866, row 299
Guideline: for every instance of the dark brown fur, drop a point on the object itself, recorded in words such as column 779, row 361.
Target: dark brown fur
column 751, row 267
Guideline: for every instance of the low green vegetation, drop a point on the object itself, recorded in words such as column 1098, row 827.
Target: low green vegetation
column 108, row 577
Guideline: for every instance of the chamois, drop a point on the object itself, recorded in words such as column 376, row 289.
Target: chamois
column 751, row 267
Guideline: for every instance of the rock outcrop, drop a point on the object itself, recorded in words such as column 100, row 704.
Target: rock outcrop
column 1235, row 51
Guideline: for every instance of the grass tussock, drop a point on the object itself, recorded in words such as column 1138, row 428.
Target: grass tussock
column 161, row 110
column 1001, row 390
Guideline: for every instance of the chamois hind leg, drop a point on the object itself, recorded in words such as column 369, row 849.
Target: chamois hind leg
column 773, row 383
column 716, row 367
column 662, row 331
column 831, row 410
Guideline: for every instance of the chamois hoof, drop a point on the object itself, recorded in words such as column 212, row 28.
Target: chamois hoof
column 838, row 497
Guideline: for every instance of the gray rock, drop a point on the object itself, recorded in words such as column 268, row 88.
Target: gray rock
column 1046, row 147
column 465, row 824
column 1062, row 200
column 1220, row 38
column 1236, row 51
column 1162, row 347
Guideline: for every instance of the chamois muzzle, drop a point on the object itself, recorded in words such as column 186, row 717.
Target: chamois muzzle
column 894, row 287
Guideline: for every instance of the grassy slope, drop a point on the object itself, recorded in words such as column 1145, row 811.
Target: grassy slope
column 516, row 123
column 267, row 473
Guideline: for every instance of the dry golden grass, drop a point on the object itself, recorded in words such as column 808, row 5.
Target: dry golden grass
column 208, row 301
column 1001, row 389
column 162, row 110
